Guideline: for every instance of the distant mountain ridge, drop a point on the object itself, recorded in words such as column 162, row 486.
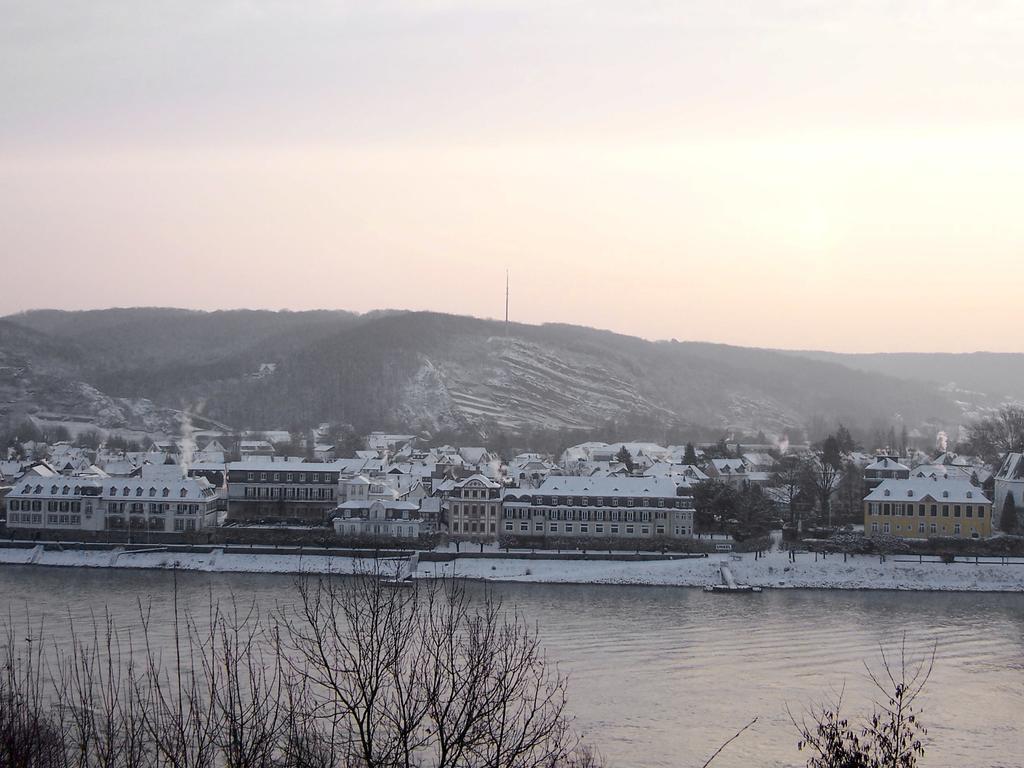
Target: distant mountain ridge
column 430, row 371
column 997, row 374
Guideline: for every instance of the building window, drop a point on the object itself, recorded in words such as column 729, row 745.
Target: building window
column 956, row 529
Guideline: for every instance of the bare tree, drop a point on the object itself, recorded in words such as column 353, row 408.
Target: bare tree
column 994, row 436
column 790, row 476
column 29, row 734
column 425, row 674
column 360, row 673
column 891, row 737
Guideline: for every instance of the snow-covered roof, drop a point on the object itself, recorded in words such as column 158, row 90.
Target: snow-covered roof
column 885, row 462
column 606, row 486
column 474, row 454
column 195, row 488
column 918, row 489
column 729, row 465
column 10, row 468
column 60, row 486
column 664, row 469
column 1012, row 467
column 207, row 466
column 264, row 464
column 477, row 478
column 443, row 486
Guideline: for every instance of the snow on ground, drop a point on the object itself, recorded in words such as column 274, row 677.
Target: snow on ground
column 772, row 570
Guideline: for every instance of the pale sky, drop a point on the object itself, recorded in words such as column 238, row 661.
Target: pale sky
column 788, row 173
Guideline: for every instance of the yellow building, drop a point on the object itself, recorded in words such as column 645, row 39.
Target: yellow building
column 923, row 507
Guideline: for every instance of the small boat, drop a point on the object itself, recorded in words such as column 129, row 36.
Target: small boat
column 726, row 588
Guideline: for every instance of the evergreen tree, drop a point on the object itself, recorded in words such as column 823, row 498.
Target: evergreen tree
column 690, row 455
column 625, row 458
column 1008, row 518
column 846, row 442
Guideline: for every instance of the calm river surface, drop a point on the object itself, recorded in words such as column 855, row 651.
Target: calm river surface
column 660, row 676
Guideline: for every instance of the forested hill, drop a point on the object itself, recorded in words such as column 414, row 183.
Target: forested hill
column 428, row 371
column 994, row 373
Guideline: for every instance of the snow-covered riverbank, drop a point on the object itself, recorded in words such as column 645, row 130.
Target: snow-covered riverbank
column 773, row 570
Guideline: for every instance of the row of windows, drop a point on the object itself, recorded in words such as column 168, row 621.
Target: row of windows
column 36, row 505
column 473, row 493
column 125, row 491
column 389, row 514
column 680, row 502
column 932, row 528
column 389, row 530
column 291, row 477
column 590, row 515
column 945, row 494
column 598, row 529
column 923, row 510
column 54, row 491
column 25, row 518
column 472, row 527
column 475, row 509
column 138, row 508
column 305, row 494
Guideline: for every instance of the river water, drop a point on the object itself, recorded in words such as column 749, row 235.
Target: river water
column 660, row 676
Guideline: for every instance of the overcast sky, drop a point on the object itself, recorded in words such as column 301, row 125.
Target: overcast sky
column 838, row 175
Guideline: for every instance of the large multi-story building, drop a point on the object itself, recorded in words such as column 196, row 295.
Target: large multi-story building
column 622, row 507
column 474, row 508
column 920, row 508
column 97, row 504
column 282, row 490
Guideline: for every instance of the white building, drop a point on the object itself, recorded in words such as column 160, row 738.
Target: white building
column 62, row 503
column 474, row 507
column 736, row 472
column 96, row 504
column 1009, row 482
column 624, row 507
column 379, row 517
